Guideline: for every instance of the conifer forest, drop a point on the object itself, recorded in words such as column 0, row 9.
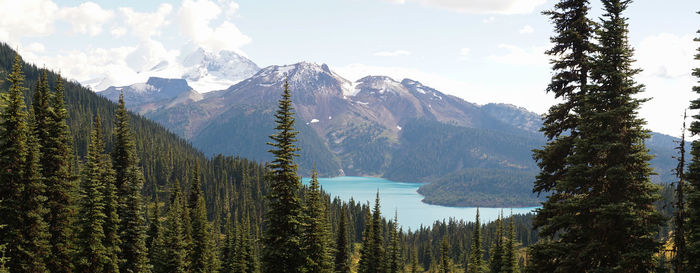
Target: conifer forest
column 89, row 185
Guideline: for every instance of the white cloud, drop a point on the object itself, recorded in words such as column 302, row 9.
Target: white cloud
column 26, row 18
column 147, row 25
column 464, row 52
column 488, row 20
column 36, row 47
column 195, row 18
column 87, row 18
column 394, row 53
column 520, row 56
column 118, row 32
column 482, row 6
column 676, row 60
column 526, row 29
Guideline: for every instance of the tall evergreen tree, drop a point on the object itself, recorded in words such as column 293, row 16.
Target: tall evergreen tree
column 475, row 264
column 129, row 181
column 595, row 167
column 497, row 249
column 34, row 246
column 394, row 253
column 693, row 176
column 366, row 248
column 202, row 247
column 56, row 156
column 316, row 235
column 112, row 242
column 342, row 250
column 510, row 264
column 377, row 254
column 175, row 249
column 155, row 240
column 92, row 254
column 283, row 217
column 444, row 257
column 13, row 152
column 679, row 219
column 414, row 260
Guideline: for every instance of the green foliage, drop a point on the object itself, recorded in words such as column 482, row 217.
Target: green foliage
column 283, row 219
column 597, row 175
column 174, row 257
column 92, row 254
column 201, row 250
column 13, row 152
column 497, row 262
column 475, row 264
column 444, row 257
column 394, row 263
column 315, row 239
column 693, row 176
column 342, row 250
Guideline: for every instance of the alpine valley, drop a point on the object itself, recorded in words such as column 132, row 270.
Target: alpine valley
column 469, row 154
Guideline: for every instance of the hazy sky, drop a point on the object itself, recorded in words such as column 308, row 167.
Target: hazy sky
column 480, row 50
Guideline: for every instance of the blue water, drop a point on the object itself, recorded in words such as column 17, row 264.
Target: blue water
column 404, row 198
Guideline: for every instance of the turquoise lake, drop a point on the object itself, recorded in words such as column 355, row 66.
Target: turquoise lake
column 403, row 197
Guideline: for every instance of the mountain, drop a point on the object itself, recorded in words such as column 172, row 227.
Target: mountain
column 375, row 126
column 153, row 94
column 208, row 71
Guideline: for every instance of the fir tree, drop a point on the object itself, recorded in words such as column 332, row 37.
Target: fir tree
column 155, row 240
column 316, row 235
column 475, row 264
column 35, row 236
column 414, row 260
column 375, row 262
column 679, row 219
column 112, row 242
column 202, row 248
column 342, row 253
column 444, row 257
column 56, row 156
column 693, row 176
column 394, row 253
column 509, row 256
column 92, row 255
column 365, row 249
column 13, row 152
column 497, row 249
column 174, row 257
column 129, row 181
column 283, row 217
column 596, row 175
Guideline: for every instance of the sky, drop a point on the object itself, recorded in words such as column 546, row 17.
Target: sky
column 480, row 50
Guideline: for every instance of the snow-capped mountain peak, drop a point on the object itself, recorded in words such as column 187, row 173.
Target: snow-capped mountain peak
column 208, row 71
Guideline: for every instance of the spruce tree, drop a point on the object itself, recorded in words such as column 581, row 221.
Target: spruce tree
column 394, row 253
column 693, row 177
column 365, row 249
column 414, row 260
column 155, row 240
column 497, row 249
column 316, row 235
column 13, row 152
column 112, row 242
column 594, row 168
column 34, row 246
column 444, row 257
column 679, row 235
column 509, row 256
column 56, row 156
column 475, row 264
column 202, row 247
column 175, row 249
column 377, row 254
column 129, row 181
column 92, row 254
column 283, row 216
column 342, row 250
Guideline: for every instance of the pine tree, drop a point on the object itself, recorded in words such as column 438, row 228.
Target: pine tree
column 283, row 216
column 316, row 235
column 56, row 156
column 155, row 240
column 414, row 260
column 394, row 253
column 510, row 264
column 342, row 253
column 497, row 249
column 35, row 246
column 377, row 254
column 13, row 152
column 129, row 181
column 475, row 264
column 175, row 249
column 202, row 247
column 92, row 254
column 112, row 242
column 679, row 235
column 365, row 249
column 444, row 257
column 228, row 252
column 693, row 177
column 594, row 168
